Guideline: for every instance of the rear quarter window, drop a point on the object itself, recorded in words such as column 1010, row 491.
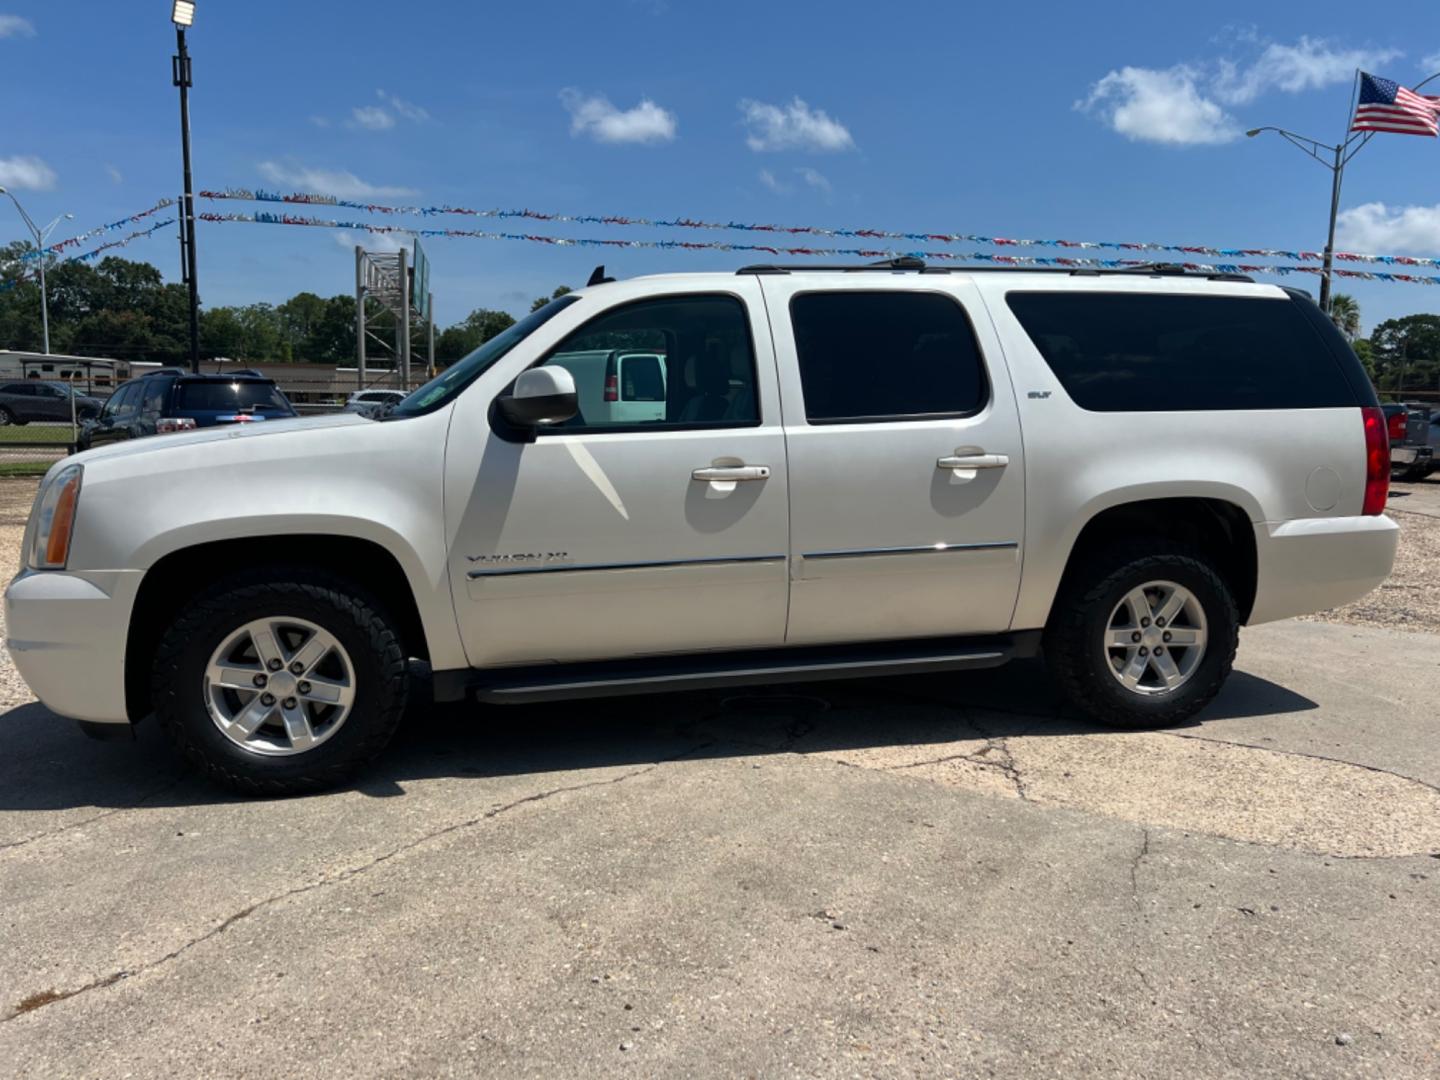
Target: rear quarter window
column 1148, row 352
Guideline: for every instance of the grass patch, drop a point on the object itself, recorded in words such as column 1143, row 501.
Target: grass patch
column 40, row 434
column 25, row 468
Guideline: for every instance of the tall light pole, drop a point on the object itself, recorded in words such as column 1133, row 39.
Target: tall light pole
column 40, row 235
column 1334, row 158
column 183, row 15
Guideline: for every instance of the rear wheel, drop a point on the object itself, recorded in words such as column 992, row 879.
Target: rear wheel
column 280, row 683
column 1142, row 636
column 6, row 417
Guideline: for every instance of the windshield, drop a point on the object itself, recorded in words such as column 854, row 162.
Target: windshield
column 229, row 396
column 444, row 388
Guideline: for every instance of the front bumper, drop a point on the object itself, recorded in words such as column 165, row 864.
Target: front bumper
column 1315, row 564
column 66, row 632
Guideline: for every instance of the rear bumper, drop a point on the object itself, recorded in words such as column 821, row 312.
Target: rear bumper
column 1411, row 455
column 1319, row 563
column 66, row 633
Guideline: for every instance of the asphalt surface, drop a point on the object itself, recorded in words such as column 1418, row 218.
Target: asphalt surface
column 906, row 877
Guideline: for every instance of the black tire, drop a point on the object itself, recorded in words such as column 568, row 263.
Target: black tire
column 356, row 620
column 6, row 417
column 1074, row 641
column 1415, row 473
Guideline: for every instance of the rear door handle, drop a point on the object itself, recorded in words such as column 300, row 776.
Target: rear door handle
column 720, row 474
column 973, row 461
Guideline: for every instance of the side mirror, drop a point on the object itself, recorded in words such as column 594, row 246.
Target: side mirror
column 543, row 395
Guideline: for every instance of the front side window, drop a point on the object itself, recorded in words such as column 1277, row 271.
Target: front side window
column 1152, row 352
column 868, row 357
column 671, row 362
column 126, row 402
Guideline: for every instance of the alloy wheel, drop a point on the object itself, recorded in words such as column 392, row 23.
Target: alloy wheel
column 1155, row 638
column 279, row 686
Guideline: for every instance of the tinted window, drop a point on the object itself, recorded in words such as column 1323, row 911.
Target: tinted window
column 222, row 396
column 1137, row 352
column 708, row 373
column 18, row 388
column 126, row 402
column 872, row 356
column 154, row 399
column 641, row 379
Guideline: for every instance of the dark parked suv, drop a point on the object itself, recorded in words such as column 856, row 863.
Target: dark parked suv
column 167, row 401
column 26, row 401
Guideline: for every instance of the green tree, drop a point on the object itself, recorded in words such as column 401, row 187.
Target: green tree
column 541, row 301
column 221, row 332
column 1345, row 313
column 468, row 335
column 1407, row 353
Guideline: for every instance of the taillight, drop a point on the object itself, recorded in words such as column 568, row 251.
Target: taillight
column 612, row 388
column 167, row 424
column 1377, row 461
column 1399, row 423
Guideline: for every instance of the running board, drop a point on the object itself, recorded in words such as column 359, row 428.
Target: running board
column 705, row 671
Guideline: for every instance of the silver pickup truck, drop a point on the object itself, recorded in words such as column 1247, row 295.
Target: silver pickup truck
column 1414, row 439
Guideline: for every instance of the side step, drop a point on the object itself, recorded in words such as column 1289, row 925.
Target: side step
column 704, row 671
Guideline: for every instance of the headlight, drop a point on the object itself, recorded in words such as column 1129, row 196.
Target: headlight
column 55, row 519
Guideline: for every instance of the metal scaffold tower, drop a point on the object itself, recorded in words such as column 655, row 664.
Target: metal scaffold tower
column 393, row 304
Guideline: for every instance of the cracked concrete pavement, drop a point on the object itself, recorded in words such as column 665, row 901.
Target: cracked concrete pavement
column 927, row 876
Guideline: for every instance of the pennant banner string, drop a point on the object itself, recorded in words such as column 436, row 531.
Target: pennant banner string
column 91, row 254
column 76, row 241
column 310, row 198
column 1061, row 261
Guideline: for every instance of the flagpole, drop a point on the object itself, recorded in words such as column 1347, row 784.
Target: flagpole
column 1336, row 179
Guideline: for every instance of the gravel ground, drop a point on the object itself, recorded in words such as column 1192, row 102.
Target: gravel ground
column 16, row 495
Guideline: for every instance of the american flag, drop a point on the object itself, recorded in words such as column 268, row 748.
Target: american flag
column 1385, row 105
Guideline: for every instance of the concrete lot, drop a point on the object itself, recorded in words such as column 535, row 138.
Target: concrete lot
column 908, row 877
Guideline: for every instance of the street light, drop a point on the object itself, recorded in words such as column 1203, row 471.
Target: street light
column 183, row 15
column 1335, row 159
column 40, row 235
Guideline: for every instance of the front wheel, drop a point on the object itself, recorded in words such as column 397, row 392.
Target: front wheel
column 1142, row 636
column 280, row 682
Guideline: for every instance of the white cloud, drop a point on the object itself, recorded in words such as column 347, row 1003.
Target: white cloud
column 116, row 176
column 386, row 242
column 596, row 117
column 768, row 179
column 793, row 127
column 1309, row 64
column 26, row 173
column 320, row 121
column 405, row 109
column 1430, row 63
column 1159, row 106
column 15, row 26
column 1184, row 105
column 1375, row 228
column 814, row 179
column 338, row 182
column 371, row 118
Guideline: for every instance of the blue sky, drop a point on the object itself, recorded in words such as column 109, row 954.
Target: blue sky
column 1111, row 121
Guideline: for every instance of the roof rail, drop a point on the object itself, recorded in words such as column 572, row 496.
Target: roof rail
column 909, row 262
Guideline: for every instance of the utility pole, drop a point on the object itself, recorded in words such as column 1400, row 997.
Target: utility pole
column 183, row 15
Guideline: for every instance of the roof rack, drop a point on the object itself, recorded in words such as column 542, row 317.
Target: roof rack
column 909, row 262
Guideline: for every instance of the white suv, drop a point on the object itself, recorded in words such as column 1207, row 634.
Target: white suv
column 856, row 471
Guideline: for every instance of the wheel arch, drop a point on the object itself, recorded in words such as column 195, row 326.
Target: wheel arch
column 186, row 571
column 1214, row 525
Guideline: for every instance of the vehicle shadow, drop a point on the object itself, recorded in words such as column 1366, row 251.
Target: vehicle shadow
column 51, row 766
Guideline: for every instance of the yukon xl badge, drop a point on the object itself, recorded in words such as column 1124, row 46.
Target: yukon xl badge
column 1040, row 394
column 525, row 558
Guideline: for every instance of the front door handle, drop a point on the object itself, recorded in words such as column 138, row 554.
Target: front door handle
column 721, row 474
column 976, row 460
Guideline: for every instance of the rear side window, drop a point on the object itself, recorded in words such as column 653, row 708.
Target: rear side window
column 881, row 356
column 219, row 396
column 1144, row 352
